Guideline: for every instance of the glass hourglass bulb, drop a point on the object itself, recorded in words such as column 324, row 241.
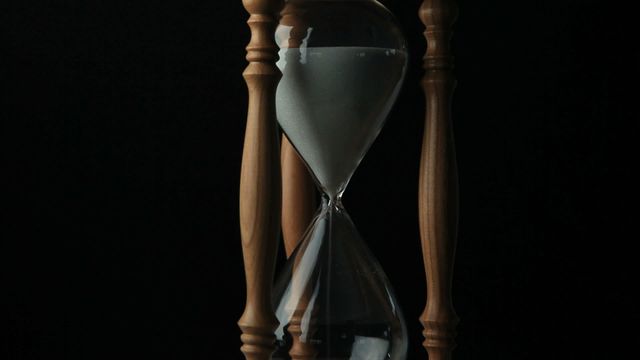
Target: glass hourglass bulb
column 342, row 66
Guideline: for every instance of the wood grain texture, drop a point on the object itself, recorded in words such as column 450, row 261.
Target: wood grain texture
column 438, row 188
column 298, row 197
column 260, row 194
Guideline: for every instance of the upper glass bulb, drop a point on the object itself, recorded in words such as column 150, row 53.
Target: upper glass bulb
column 342, row 63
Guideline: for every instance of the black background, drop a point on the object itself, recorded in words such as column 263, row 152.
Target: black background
column 122, row 136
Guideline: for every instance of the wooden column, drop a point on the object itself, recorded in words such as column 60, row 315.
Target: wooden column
column 438, row 191
column 298, row 197
column 298, row 202
column 260, row 193
column 298, row 189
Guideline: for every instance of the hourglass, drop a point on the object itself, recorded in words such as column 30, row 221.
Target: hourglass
column 330, row 77
column 342, row 65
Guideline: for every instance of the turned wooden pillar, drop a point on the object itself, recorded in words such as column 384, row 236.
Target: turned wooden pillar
column 438, row 189
column 298, row 189
column 298, row 197
column 298, row 202
column 260, row 181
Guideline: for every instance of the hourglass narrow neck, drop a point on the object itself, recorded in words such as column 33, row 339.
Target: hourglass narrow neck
column 334, row 202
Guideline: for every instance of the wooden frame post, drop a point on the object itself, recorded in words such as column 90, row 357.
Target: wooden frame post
column 298, row 203
column 298, row 197
column 260, row 193
column 298, row 189
column 438, row 189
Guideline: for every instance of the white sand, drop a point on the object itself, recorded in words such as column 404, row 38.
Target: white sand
column 332, row 101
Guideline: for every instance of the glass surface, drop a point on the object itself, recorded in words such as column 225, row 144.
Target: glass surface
column 342, row 66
